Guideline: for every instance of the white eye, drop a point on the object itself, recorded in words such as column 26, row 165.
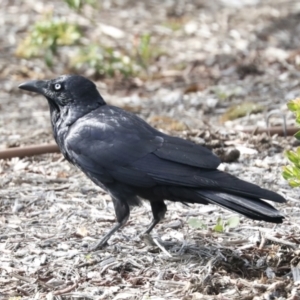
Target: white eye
column 57, row 86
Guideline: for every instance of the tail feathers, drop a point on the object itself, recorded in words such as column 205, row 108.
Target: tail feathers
column 252, row 190
column 230, row 184
column 253, row 208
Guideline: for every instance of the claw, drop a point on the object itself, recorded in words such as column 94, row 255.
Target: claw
column 98, row 246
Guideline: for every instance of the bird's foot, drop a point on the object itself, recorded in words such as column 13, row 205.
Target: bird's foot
column 98, row 246
column 147, row 239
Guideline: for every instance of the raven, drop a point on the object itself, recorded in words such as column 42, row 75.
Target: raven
column 130, row 160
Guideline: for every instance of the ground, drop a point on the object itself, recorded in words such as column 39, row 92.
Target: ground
column 209, row 56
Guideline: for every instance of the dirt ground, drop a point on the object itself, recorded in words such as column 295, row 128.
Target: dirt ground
column 213, row 55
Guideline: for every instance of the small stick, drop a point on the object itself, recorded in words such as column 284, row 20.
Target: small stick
column 280, row 241
column 66, row 290
column 161, row 247
column 290, row 130
column 28, row 151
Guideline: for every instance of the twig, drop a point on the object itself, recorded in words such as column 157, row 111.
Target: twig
column 32, row 282
column 245, row 247
column 22, row 291
column 28, row 151
column 161, row 247
column 280, row 241
column 28, row 280
column 67, row 289
column 290, row 130
column 262, row 242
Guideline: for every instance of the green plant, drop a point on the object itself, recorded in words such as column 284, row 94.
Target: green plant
column 196, row 223
column 241, row 110
column 221, row 225
column 104, row 61
column 88, row 256
column 292, row 172
column 145, row 52
column 46, row 37
column 78, row 4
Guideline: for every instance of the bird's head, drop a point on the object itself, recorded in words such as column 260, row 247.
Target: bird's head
column 67, row 92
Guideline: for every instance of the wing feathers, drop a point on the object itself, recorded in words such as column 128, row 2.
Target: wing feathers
column 188, row 153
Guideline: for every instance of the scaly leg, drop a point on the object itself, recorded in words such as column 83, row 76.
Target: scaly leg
column 122, row 214
column 159, row 209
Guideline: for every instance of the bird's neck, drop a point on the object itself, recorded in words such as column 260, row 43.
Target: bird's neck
column 59, row 129
column 63, row 118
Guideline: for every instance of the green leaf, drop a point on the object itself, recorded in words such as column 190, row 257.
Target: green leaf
column 297, row 114
column 294, row 105
column 294, row 183
column 49, row 58
column 287, row 172
column 78, row 4
column 292, row 156
column 296, row 171
column 297, row 135
column 88, row 256
column 196, row 223
column 241, row 110
column 219, row 227
column 292, row 172
column 233, row 222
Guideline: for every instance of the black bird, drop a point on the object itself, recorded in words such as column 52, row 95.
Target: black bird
column 130, row 159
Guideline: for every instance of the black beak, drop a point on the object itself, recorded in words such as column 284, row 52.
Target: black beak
column 36, row 86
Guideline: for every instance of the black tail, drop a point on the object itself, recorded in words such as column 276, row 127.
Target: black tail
column 224, row 182
column 250, row 207
column 217, row 187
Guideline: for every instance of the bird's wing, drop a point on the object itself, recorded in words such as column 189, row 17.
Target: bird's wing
column 170, row 148
column 113, row 142
column 98, row 145
column 185, row 152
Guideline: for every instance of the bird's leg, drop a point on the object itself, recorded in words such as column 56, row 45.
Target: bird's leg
column 159, row 209
column 122, row 214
